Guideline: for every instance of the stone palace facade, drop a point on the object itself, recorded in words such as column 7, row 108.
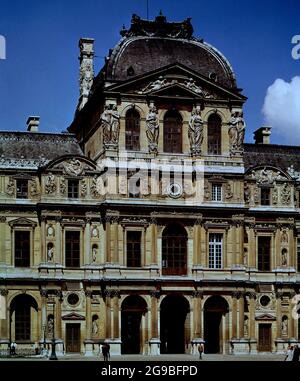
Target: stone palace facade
column 150, row 224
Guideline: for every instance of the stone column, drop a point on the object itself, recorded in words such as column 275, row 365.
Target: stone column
column 153, row 241
column 4, row 323
column 241, row 315
column 112, row 218
column 154, row 340
column 197, row 242
column 88, row 342
column 197, row 323
column 43, row 240
column 234, row 315
column 87, row 239
column 58, row 242
column 115, row 241
column 113, row 322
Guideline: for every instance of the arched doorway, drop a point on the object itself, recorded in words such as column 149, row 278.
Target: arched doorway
column 174, row 310
column 215, row 324
column 174, row 250
column 133, row 308
column 23, row 319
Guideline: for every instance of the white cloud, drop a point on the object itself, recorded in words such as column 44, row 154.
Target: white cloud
column 281, row 109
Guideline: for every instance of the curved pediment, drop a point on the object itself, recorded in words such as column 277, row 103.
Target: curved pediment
column 266, row 175
column 267, row 317
column 72, row 165
column 73, row 316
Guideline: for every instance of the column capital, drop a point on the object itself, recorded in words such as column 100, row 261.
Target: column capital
column 44, row 292
column 197, row 294
column 111, row 293
column 251, row 294
column 155, row 294
column 237, row 294
column 3, row 292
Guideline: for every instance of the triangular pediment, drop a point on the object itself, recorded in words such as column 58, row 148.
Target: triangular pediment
column 73, row 316
column 265, row 317
column 176, row 80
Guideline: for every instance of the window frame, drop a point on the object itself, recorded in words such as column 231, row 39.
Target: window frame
column 70, row 188
column 261, row 263
column 212, row 147
column 265, row 201
column 79, row 242
column 132, row 130
column 18, row 231
column 216, row 192
column 129, row 258
column 21, row 194
column 215, row 260
column 169, row 133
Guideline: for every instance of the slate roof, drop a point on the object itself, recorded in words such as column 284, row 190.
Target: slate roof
column 276, row 155
column 33, row 149
column 149, row 45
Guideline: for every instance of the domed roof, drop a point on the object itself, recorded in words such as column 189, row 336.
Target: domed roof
column 150, row 45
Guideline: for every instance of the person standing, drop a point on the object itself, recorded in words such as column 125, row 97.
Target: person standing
column 200, row 350
column 296, row 353
column 289, row 353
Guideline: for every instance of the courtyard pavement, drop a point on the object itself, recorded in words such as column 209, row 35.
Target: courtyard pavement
column 206, row 357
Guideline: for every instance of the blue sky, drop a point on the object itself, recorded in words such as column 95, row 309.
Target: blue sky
column 40, row 74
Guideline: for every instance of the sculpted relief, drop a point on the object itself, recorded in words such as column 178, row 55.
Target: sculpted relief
column 110, row 124
column 195, row 132
column 236, row 132
column 152, row 129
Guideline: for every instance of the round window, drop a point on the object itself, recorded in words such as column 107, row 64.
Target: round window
column 264, row 300
column 73, row 299
column 175, row 190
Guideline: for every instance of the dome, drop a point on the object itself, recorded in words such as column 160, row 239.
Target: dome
column 150, row 45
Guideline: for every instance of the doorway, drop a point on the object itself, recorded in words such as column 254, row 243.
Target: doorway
column 133, row 309
column 173, row 316
column 215, row 313
column 73, row 338
column 265, row 337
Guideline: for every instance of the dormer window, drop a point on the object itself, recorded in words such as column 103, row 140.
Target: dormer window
column 265, row 196
column 73, row 188
column 22, row 188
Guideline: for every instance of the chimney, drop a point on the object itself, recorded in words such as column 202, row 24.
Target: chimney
column 262, row 135
column 86, row 58
column 33, row 123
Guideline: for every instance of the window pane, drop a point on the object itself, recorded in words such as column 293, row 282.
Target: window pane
column 73, row 186
column 134, row 248
column 22, row 249
column 174, row 251
column 265, row 196
column 22, row 188
column 216, row 192
column 172, row 132
column 264, row 246
column 73, row 249
column 132, row 131
column 215, row 251
column 214, row 134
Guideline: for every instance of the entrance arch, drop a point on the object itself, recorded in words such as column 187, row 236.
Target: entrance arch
column 23, row 319
column 215, row 324
column 174, row 311
column 133, row 308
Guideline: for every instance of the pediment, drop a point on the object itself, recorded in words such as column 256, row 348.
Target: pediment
column 72, row 166
column 268, row 317
column 266, row 175
column 22, row 222
column 73, row 316
column 178, row 80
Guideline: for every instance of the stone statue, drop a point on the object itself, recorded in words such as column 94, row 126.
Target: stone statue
column 115, row 125
column 95, row 327
column 156, row 85
column 284, row 257
column 195, row 132
column 246, row 327
column 50, row 253
column 94, row 253
column 190, row 84
column 50, row 186
column 110, row 123
column 105, row 124
column 236, row 132
column 152, row 129
column 50, row 326
column 10, row 188
column 247, row 193
column 83, row 188
column 285, row 194
column 284, row 327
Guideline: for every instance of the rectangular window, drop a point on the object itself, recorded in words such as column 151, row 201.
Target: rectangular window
column 72, row 249
column 298, row 254
column 22, row 249
column 73, row 187
column 22, row 188
column 215, row 251
column 264, row 253
column 265, row 196
column 216, row 192
column 134, row 248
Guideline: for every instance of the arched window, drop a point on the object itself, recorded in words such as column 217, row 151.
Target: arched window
column 174, row 250
column 132, row 130
column 214, row 134
column 173, row 132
